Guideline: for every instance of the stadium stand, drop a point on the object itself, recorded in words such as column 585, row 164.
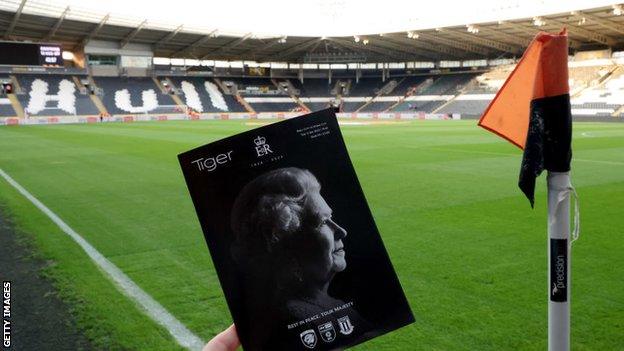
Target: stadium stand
column 6, row 109
column 315, row 93
column 123, row 95
column 47, row 95
column 435, row 94
column 601, row 96
column 366, row 86
column 377, row 106
column 204, row 95
column 313, row 87
column 254, row 86
column 262, row 94
column 597, row 91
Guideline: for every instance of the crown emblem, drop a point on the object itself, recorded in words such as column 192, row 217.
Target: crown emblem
column 260, row 140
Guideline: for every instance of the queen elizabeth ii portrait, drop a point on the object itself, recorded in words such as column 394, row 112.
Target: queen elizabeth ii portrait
column 288, row 248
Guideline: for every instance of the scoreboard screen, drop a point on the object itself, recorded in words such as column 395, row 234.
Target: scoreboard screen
column 50, row 54
column 30, row 54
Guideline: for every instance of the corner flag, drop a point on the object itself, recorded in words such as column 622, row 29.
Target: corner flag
column 532, row 110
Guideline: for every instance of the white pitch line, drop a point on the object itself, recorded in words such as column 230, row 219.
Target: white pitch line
column 154, row 310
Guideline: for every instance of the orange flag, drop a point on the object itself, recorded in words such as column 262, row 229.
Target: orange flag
column 532, row 109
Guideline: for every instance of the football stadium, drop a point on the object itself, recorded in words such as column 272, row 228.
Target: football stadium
column 101, row 103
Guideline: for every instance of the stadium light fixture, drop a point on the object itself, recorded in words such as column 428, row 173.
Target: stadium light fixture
column 471, row 28
column 68, row 55
column 618, row 10
column 538, row 22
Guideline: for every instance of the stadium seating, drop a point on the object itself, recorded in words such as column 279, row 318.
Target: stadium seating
column 351, row 106
column 273, row 105
column 203, row 95
column 6, row 109
column 407, row 83
column 313, row 87
column 124, row 95
column 466, row 107
column 315, row 106
column 255, row 86
column 603, row 97
column 44, row 95
column 376, row 106
column 366, row 86
column 441, row 89
column 598, row 91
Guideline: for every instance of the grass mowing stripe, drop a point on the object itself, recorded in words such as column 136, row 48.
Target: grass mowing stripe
column 157, row 312
column 507, row 154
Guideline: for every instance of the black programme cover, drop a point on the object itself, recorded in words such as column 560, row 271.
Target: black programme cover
column 295, row 246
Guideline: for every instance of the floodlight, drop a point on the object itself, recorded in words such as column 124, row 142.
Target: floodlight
column 471, row 28
column 68, row 55
column 538, row 21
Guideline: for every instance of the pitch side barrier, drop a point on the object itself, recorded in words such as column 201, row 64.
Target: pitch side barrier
column 217, row 116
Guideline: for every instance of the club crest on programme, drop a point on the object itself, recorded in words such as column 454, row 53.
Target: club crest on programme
column 327, row 332
column 344, row 323
column 308, row 338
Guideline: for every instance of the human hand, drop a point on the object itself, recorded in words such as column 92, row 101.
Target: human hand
column 227, row 340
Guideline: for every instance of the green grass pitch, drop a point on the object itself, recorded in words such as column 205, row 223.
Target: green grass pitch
column 468, row 249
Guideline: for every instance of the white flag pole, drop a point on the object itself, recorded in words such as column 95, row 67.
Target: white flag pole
column 559, row 258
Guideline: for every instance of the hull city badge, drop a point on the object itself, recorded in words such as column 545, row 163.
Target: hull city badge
column 292, row 238
column 308, row 338
column 327, row 332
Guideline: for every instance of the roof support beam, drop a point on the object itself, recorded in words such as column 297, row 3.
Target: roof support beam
column 96, row 29
column 132, row 34
column 483, row 41
column 312, row 49
column 513, row 39
column 455, row 44
column 168, row 37
column 57, row 25
column 531, row 32
column 385, row 42
column 16, row 18
column 378, row 51
column 196, row 43
column 266, row 46
column 589, row 34
column 419, row 44
column 603, row 22
column 296, row 48
column 229, row 45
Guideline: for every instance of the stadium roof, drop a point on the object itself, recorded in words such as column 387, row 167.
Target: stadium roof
column 500, row 33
